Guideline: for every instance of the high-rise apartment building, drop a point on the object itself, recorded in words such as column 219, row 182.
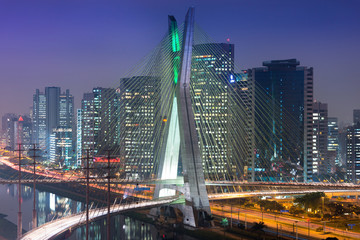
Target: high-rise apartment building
column 283, row 121
column 353, row 153
column 321, row 164
column 212, row 66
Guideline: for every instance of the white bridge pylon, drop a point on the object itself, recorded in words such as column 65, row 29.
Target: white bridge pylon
column 182, row 140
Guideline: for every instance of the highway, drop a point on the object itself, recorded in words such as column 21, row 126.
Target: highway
column 283, row 223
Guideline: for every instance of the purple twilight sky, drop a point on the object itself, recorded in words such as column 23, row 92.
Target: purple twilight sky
column 81, row 44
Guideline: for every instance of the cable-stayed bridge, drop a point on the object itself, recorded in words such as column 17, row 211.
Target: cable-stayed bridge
column 185, row 110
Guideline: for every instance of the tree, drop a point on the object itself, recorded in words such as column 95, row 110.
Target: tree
column 294, row 210
column 336, row 209
column 310, row 200
column 257, row 227
column 270, row 205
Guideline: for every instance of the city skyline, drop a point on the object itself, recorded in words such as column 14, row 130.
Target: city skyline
column 81, row 46
column 169, row 130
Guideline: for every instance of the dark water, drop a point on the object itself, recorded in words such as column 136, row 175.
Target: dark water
column 50, row 206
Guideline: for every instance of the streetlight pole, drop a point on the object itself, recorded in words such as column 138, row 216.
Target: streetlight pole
column 296, row 230
column 231, row 215
column 19, row 227
column 322, row 209
column 108, row 200
column 238, row 214
column 34, row 221
column 87, row 193
column 245, row 222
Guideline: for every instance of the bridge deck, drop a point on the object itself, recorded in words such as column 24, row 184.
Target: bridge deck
column 52, row 229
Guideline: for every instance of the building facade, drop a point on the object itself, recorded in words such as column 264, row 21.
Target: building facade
column 283, row 121
column 353, row 153
column 242, row 123
column 321, row 164
column 212, row 66
column 139, row 124
column 97, row 123
column 333, row 142
column 356, row 116
column 18, row 131
column 51, row 110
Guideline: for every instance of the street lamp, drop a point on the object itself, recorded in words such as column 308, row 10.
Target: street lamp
column 322, row 209
column 296, row 230
column 231, row 215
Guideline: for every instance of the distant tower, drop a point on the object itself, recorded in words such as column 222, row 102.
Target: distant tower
column 51, row 110
column 333, row 142
column 356, row 116
column 39, row 120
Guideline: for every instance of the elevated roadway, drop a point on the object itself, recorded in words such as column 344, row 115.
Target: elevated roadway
column 54, row 228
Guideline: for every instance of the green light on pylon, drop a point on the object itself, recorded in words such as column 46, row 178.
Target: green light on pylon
column 176, row 65
column 175, row 37
column 175, row 42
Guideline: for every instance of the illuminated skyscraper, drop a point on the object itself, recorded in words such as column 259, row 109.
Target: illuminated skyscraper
column 139, row 124
column 61, row 146
column 66, row 110
column 7, row 122
column 99, row 121
column 283, row 121
column 51, row 110
column 321, row 164
column 353, row 153
column 39, row 120
column 241, row 130
column 333, row 142
column 87, row 124
column 212, row 66
column 18, row 131
column 78, row 137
